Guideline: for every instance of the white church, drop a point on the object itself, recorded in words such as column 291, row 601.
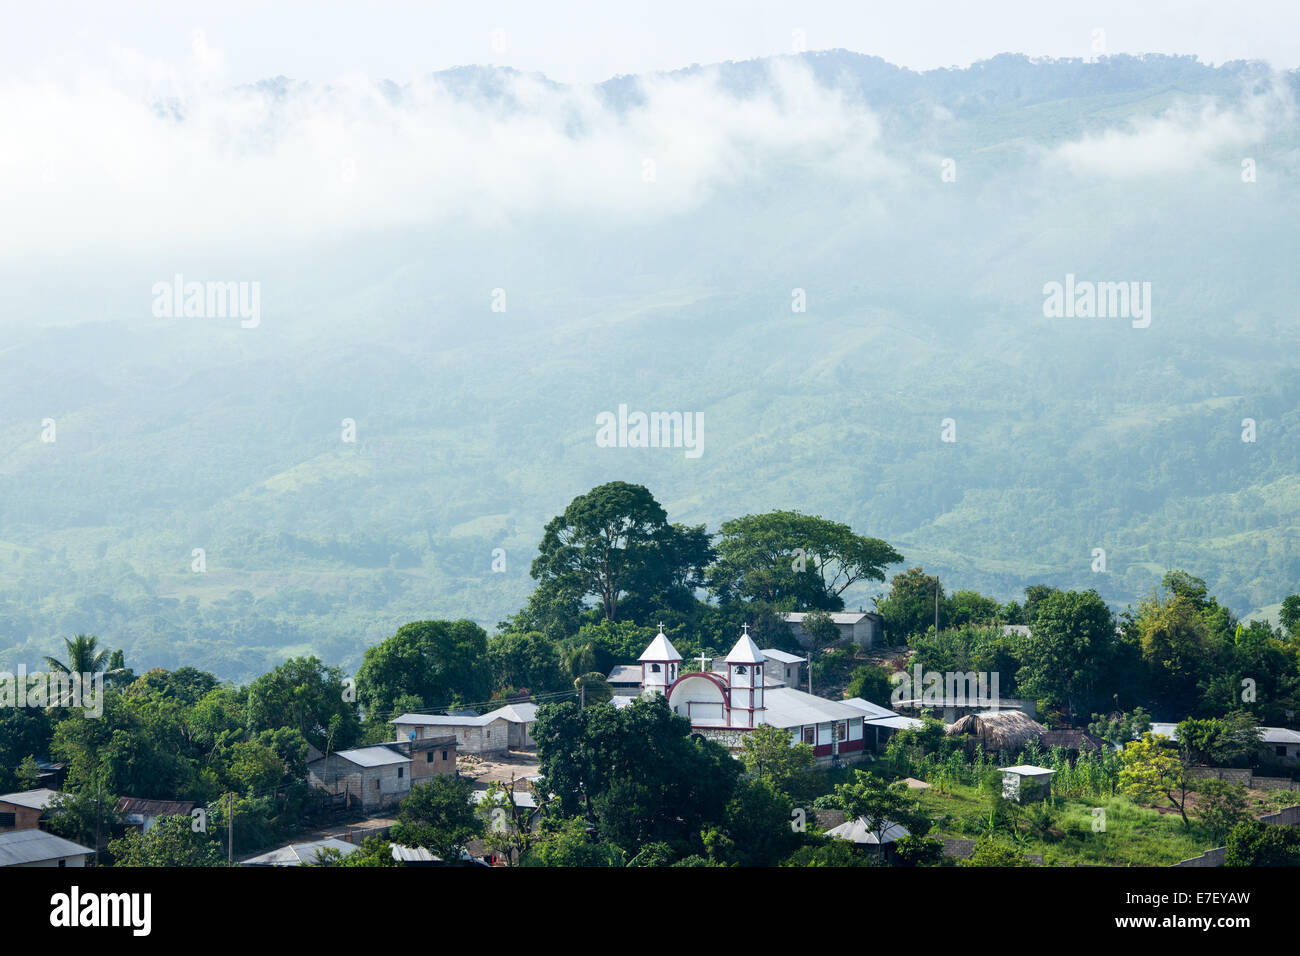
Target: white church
column 752, row 687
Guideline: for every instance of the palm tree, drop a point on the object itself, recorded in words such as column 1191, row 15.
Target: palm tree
column 83, row 656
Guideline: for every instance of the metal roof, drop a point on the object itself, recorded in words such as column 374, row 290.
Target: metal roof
column 620, row 701
column 782, row 657
column 858, row 832
column 522, row 798
column 1027, row 770
column 36, row 846
column 895, row 722
column 38, row 799
column 625, row 674
column 1279, row 735
column 443, row 720
column 523, row 713
column 376, row 756
column 869, row 709
column 839, row 617
column 299, row 854
column 787, row 707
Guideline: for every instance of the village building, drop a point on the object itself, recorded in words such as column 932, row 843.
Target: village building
column 863, row 628
column 1025, row 783
column 380, row 776
column 140, row 814
column 482, row 734
column 737, row 694
column 23, row 811
column 33, row 847
column 859, row 833
column 788, row 668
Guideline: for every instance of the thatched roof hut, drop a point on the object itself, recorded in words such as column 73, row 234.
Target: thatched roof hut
column 1007, row 730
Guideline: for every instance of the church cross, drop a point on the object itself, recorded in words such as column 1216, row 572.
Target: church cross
column 703, row 660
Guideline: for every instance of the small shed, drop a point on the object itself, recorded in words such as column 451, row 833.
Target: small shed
column 998, row 730
column 1024, row 783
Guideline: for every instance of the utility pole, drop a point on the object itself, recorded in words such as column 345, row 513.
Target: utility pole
column 936, row 608
column 230, row 827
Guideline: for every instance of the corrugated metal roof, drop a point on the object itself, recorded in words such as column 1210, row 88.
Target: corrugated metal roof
column 300, row 854
column 869, row 709
column 372, row 756
column 443, row 720
column 35, row 846
column 1027, row 770
column 625, row 674
column 787, row 707
column 839, row 617
column 856, row 831
column 782, row 657
column 523, row 713
column 38, row 799
column 895, row 722
column 522, row 798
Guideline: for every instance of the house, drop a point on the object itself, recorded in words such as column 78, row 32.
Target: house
column 519, row 720
column 306, row 854
column 23, row 811
column 1024, row 783
column 142, row 814
column 736, row 695
column 38, row 848
column 625, row 679
column 863, row 628
column 785, row 667
column 1281, row 743
column 859, row 833
column 964, row 704
column 369, row 777
column 485, row 734
column 997, row 730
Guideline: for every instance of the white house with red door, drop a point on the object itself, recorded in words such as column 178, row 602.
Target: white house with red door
column 736, row 695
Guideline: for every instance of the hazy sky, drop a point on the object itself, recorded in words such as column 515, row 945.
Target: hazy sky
column 590, row 40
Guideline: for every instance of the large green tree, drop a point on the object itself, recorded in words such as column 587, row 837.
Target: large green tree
column 437, row 663
column 304, row 694
column 615, row 543
column 794, row 561
column 438, row 815
column 1067, row 653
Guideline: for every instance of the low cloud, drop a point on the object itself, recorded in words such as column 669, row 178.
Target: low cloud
column 103, row 160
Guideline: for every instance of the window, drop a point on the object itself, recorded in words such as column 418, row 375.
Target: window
column 654, row 668
column 842, row 730
column 63, row 863
column 376, row 784
column 444, row 755
column 1280, row 750
column 8, row 820
column 428, row 757
column 399, row 772
column 741, row 669
column 810, row 735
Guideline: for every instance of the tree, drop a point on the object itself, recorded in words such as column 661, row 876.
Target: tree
column 1251, row 843
column 995, row 853
column 769, row 754
column 1068, row 648
column 908, row 609
column 870, row 682
column 820, row 630
column 304, row 694
column 436, row 662
column 1221, row 806
column 83, row 656
column 171, row 841
column 1232, row 739
column 1150, row 770
column 1119, row 728
column 527, row 661
column 757, row 826
column 438, row 815
column 615, row 541
column 1289, row 615
column 879, row 806
column 374, row 851
column 794, row 561
column 566, row 841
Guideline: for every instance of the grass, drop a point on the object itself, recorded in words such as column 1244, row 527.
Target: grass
column 1133, row 835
